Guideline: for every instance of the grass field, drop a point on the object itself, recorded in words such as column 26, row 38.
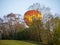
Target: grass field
column 18, row 42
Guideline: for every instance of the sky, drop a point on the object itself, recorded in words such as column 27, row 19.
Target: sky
column 21, row 6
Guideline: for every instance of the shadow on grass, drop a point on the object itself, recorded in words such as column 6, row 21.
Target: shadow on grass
column 33, row 42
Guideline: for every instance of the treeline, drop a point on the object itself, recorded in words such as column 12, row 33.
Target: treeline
column 10, row 24
column 46, row 32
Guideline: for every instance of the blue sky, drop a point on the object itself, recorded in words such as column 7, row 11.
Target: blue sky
column 20, row 6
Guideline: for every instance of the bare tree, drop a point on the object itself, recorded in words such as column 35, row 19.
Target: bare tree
column 46, row 35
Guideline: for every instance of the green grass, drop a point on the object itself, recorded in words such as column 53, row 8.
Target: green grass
column 18, row 42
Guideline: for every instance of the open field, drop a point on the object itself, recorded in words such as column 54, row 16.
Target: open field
column 18, row 42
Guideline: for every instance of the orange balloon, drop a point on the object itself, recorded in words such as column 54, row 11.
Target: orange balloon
column 30, row 15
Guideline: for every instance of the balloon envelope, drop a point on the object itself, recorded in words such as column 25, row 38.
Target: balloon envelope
column 30, row 15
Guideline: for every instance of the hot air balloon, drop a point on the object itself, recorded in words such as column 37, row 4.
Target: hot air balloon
column 30, row 15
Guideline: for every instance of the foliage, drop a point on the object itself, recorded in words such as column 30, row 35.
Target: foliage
column 56, row 37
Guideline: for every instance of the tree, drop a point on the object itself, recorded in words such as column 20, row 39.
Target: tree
column 1, row 21
column 56, row 31
column 11, row 25
column 45, row 32
column 14, row 21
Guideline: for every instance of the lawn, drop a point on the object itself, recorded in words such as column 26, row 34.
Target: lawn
column 18, row 42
